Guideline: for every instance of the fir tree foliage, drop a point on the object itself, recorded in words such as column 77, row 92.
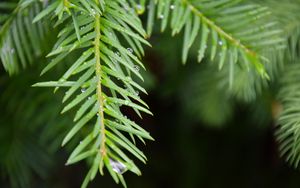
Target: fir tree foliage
column 107, row 39
column 288, row 132
column 21, row 41
column 100, row 81
column 226, row 27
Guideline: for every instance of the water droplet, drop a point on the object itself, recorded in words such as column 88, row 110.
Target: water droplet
column 220, row 43
column 161, row 16
column 137, row 68
column 126, row 102
column 62, row 80
column 83, row 90
column 117, row 54
column 80, row 142
column 93, row 12
column 89, row 98
column 12, row 50
column 139, row 7
column 126, row 7
column 117, row 166
column 172, row 7
column 137, row 93
column 130, row 50
column 128, row 78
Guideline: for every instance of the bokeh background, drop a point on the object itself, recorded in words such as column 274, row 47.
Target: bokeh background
column 204, row 138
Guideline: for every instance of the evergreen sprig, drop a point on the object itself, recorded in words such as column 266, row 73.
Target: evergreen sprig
column 100, row 81
column 288, row 133
column 235, row 31
column 21, row 42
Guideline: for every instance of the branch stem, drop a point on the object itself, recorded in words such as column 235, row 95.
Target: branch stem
column 99, row 86
column 219, row 30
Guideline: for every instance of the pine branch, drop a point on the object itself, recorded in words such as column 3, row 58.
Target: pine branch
column 235, row 31
column 17, row 33
column 94, row 30
column 288, row 129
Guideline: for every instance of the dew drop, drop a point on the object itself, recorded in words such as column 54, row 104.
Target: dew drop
column 126, row 102
column 130, row 50
column 62, row 80
column 93, row 12
column 117, row 54
column 128, row 78
column 89, row 98
column 161, row 16
column 83, row 90
column 137, row 68
column 139, row 7
column 126, row 7
column 12, row 50
column 137, row 93
column 117, row 166
column 172, row 7
column 220, row 43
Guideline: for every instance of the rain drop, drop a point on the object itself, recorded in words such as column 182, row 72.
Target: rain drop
column 139, row 7
column 126, row 7
column 83, row 90
column 130, row 50
column 117, row 166
column 93, row 12
column 137, row 68
column 220, row 43
column 126, row 102
column 172, row 7
column 128, row 78
column 161, row 16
